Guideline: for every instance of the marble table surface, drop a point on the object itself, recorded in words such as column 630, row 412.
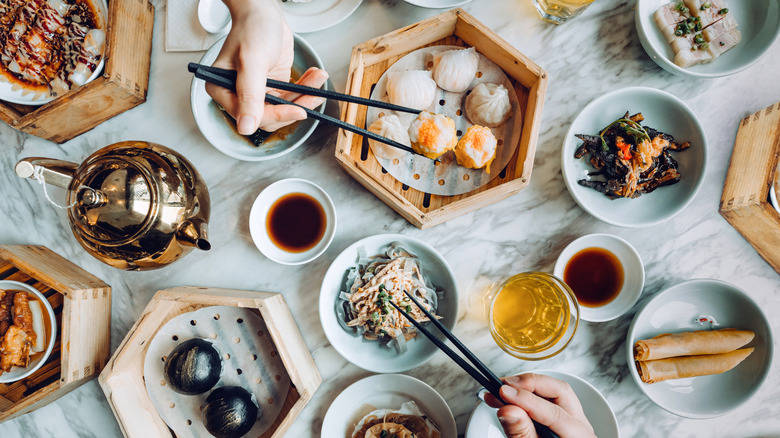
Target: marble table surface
column 597, row 52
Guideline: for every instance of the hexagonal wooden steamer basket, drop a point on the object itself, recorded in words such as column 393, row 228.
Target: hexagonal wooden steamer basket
column 744, row 202
column 371, row 59
column 123, row 380
column 82, row 306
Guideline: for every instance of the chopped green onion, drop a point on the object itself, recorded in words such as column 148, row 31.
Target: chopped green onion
column 698, row 39
column 408, row 309
column 678, row 32
column 704, row 46
column 705, row 6
column 723, row 11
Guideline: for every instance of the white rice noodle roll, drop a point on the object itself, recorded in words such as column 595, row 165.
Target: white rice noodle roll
column 91, row 50
column 454, row 70
column 38, row 326
column 61, row 6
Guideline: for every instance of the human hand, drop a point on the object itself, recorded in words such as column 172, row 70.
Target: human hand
column 259, row 46
column 545, row 399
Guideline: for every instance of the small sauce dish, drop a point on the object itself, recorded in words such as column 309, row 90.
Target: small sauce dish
column 214, row 16
column 292, row 221
column 592, row 265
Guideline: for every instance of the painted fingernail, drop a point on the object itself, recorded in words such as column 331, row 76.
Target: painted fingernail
column 508, row 391
column 246, row 125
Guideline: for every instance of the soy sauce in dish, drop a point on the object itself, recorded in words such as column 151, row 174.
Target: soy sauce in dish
column 595, row 275
column 296, row 222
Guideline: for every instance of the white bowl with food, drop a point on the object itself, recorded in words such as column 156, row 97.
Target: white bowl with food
column 293, row 221
column 657, row 198
column 753, row 25
column 37, row 316
column 703, row 305
column 605, row 273
column 220, row 130
column 374, row 336
column 360, row 409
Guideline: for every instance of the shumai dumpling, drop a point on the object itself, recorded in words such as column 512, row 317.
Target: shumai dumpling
column 432, row 134
column 488, row 105
column 454, row 70
column 411, row 88
column 477, row 148
column 389, row 126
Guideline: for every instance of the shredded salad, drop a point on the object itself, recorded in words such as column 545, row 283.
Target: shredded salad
column 372, row 283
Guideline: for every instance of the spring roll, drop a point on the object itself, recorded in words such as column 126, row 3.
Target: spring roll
column 691, row 343
column 653, row 371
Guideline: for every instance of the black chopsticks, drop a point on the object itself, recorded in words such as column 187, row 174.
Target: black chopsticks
column 486, row 378
column 227, row 79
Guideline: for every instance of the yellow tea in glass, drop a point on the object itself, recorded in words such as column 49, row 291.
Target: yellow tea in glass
column 533, row 315
column 558, row 11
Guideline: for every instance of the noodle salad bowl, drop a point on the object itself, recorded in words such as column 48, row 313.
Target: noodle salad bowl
column 387, row 354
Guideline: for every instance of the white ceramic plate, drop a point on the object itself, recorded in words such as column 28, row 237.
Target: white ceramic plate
column 483, row 422
column 20, row 373
column 673, row 311
column 759, row 22
column 259, row 213
column 317, row 14
column 438, row 4
column 221, row 133
column 633, row 274
column 663, row 112
column 387, row 391
column 372, row 356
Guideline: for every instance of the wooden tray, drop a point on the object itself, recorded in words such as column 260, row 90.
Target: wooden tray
column 82, row 305
column 122, row 86
column 372, row 58
column 123, row 381
column 744, row 202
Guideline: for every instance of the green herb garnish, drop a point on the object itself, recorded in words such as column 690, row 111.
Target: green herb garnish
column 705, row 6
column 704, row 46
column 408, row 309
column 631, row 127
column 723, row 11
column 698, row 39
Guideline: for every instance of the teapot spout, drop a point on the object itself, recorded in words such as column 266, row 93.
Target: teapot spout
column 194, row 232
column 55, row 172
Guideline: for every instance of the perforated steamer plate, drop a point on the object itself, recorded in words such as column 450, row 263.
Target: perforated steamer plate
column 448, row 178
column 249, row 360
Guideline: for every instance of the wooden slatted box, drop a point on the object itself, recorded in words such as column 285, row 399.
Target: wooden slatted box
column 371, row 59
column 122, row 86
column 123, row 379
column 82, row 304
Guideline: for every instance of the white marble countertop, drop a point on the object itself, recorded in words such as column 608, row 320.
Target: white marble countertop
column 592, row 54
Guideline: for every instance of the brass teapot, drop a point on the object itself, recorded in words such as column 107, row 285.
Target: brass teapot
column 133, row 205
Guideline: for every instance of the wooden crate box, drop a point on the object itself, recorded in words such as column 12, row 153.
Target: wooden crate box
column 371, row 59
column 122, row 86
column 123, row 379
column 82, row 305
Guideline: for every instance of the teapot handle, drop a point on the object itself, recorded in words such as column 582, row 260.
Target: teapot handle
column 55, row 172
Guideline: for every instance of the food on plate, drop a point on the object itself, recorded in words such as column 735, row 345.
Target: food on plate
column 632, row 159
column 229, row 412
column 50, row 45
column 488, row 105
column 406, row 422
column 372, row 283
column 22, row 329
column 193, row 367
column 698, row 30
column 691, row 343
column 477, row 148
column 432, row 134
column 454, row 70
column 653, row 371
column 389, row 126
column 411, row 88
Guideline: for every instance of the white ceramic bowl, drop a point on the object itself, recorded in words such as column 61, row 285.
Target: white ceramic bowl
column 774, row 188
column 20, row 373
column 663, row 112
column 214, row 16
column 259, row 213
column 483, row 422
column 311, row 16
column 674, row 310
column 759, row 22
column 221, row 133
column 385, row 391
column 633, row 274
column 372, row 356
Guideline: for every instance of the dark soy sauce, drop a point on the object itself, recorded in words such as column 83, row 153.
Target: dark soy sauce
column 595, row 275
column 296, row 222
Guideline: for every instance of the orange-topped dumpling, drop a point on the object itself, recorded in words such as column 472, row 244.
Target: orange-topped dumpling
column 477, row 148
column 432, row 134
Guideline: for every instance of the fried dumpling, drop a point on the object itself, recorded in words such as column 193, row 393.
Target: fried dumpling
column 488, row 105
column 477, row 148
column 432, row 134
column 411, row 88
column 389, row 126
column 454, row 70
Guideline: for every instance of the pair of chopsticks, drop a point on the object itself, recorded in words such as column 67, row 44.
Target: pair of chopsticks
column 486, row 378
column 227, row 79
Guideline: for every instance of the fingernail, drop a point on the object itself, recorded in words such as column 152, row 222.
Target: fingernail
column 509, row 391
column 508, row 420
column 512, row 380
column 246, row 125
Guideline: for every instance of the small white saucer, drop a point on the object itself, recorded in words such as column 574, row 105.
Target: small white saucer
column 214, row 16
column 633, row 274
column 259, row 212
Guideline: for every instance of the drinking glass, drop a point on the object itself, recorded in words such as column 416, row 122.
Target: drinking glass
column 559, row 11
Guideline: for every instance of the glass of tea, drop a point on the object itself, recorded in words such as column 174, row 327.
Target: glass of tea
column 559, row 11
column 533, row 315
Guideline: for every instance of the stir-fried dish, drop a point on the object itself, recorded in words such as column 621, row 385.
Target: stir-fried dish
column 365, row 309
column 17, row 334
column 630, row 158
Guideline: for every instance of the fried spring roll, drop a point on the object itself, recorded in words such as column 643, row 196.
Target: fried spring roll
column 653, row 371
column 691, row 343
